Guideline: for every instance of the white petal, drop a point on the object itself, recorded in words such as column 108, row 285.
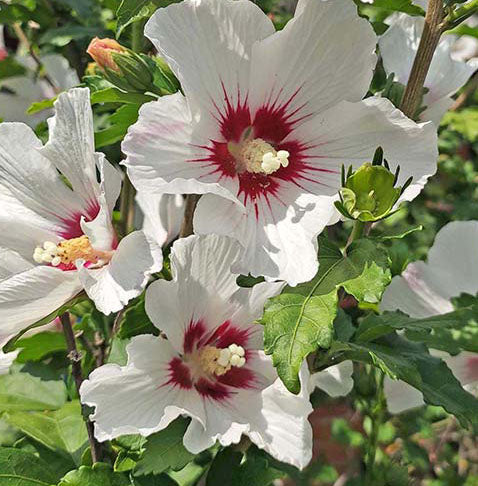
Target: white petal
column 201, row 290
column 125, row 276
column 284, row 430
column 252, row 301
column 71, row 146
column 208, row 261
column 413, row 294
column 33, row 294
column 6, row 359
column 401, row 396
column 275, row 420
column 11, row 262
column 100, row 230
column 30, row 179
column 336, row 380
column 425, row 289
column 59, row 71
column 23, row 91
column 399, row 45
column 135, row 399
column 323, row 56
column 280, row 243
column 163, row 215
column 435, row 110
column 164, row 155
column 349, row 133
column 208, row 45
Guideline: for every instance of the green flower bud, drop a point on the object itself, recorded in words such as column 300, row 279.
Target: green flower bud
column 132, row 72
column 369, row 194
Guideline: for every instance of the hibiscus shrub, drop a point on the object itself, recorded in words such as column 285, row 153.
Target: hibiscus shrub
column 238, row 242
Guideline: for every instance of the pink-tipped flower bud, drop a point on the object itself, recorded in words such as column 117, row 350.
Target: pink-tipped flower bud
column 3, row 54
column 102, row 50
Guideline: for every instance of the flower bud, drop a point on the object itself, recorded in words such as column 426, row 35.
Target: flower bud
column 369, row 194
column 129, row 71
column 3, row 54
column 101, row 50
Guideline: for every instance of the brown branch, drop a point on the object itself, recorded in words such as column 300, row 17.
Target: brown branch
column 467, row 92
column 432, row 32
column 75, row 359
column 190, row 207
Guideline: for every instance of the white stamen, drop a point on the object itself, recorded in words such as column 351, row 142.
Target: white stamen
column 56, row 261
column 271, row 162
column 224, row 357
column 50, row 246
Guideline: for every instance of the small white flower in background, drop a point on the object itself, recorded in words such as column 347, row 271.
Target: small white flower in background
column 20, row 91
column 163, row 215
column 398, row 47
column 55, row 217
column 211, row 367
column 426, row 289
column 267, row 120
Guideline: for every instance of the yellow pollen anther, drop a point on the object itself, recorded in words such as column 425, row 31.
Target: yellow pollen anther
column 68, row 251
column 252, row 153
column 216, row 361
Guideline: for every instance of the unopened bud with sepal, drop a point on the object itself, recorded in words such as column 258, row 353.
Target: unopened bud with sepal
column 370, row 193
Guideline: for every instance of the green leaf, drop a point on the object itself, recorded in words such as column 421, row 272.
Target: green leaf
column 301, row 319
column 38, row 106
column 36, row 347
column 83, row 8
column 21, row 391
column 165, row 450
column 188, row 476
column 452, row 332
column 463, row 121
column 228, row 468
column 296, row 326
column 118, row 354
column 9, row 67
column 135, row 321
column 411, row 362
column 130, row 11
column 20, row 468
column 115, row 95
column 120, row 121
column 99, row 474
column 405, row 6
column 62, row 36
column 62, row 431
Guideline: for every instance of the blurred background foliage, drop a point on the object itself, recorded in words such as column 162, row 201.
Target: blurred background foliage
column 421, row 447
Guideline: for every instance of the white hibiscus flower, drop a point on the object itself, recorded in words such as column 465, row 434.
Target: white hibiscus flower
column 267, row 120
column 426, row 289
column 57, row 237
column 446, row 76
column 211, row 367
column 6, row 359
column 17, row 93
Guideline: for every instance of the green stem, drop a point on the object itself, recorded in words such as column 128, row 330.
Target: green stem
column 461, row 14
column 376, row 413
column 357, row 232
column 137, row 36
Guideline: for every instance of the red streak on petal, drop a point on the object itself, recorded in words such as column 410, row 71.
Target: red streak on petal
column 227, row 334
column 238, row 378
column 72, row 224
column 213, row 390
column 192, row 336
column 179, row 374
